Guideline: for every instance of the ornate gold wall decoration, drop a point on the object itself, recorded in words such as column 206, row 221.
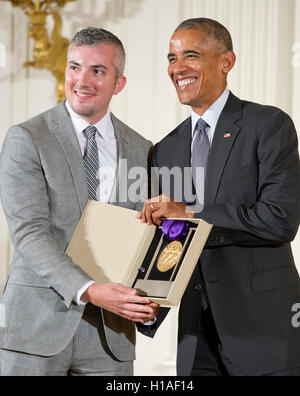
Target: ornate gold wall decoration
column 49, row 52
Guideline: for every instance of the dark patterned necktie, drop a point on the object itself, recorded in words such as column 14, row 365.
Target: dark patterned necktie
column 200, row 153
column 91, row 163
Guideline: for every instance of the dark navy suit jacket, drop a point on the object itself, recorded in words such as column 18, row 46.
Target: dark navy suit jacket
column 252, row 197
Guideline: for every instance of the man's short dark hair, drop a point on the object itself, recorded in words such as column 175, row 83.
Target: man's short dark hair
column 95, row 36
column 211, row 28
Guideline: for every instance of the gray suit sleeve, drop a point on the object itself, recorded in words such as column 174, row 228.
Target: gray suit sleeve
column 24, row 196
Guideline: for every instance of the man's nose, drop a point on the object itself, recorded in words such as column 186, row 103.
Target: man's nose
column 84, row 78
column 177, row 67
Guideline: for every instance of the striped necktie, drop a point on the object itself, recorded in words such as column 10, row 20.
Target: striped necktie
column 200, row 153
column 91, row 163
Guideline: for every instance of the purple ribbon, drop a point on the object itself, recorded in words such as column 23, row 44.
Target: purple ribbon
column 174, row 229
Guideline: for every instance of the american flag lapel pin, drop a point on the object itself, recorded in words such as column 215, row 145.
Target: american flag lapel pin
column 227, row 135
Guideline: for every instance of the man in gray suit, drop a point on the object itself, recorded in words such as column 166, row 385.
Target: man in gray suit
column 54, row 319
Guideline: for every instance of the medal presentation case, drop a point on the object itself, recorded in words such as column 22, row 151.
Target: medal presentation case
column 111, row 245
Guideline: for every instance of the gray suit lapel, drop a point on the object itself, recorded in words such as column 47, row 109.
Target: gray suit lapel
column 222, row 145
column 120, row 188
column 63, row 129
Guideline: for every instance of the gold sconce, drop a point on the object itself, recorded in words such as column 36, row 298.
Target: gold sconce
column 49, row 53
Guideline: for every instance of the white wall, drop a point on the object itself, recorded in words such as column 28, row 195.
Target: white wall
column 264, row 32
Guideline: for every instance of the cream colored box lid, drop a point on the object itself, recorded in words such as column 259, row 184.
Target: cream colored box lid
column 106, row 240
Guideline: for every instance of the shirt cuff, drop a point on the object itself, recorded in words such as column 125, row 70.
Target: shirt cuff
column 151, row 322
column 77, row 297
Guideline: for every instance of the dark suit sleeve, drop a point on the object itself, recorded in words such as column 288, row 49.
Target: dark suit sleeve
column 274, row 217
column 150, row 330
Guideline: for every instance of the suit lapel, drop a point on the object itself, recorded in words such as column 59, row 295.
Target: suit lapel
column 120, row 188
column 182, row 153
column 224, row 138
column 63, row 129
column 182, row 158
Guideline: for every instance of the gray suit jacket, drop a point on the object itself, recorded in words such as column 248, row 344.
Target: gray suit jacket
column 43, row 192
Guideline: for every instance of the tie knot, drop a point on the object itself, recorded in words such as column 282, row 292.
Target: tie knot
column 201, row 125
column 90, row 132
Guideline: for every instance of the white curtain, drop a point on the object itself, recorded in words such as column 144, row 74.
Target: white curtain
column 266, row 35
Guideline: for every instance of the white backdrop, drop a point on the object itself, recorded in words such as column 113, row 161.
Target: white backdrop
column 266, row 35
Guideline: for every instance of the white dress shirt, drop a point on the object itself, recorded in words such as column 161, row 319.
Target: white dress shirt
column 108, row 162
column 107, row 149
column 211, row 116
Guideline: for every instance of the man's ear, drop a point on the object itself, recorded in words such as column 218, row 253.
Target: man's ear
column 228, row 61
column 121, row 82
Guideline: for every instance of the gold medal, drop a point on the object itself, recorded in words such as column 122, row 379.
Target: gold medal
column 169, row 256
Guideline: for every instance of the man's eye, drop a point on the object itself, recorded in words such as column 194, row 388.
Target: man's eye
column 172, row 60
column 98, row 72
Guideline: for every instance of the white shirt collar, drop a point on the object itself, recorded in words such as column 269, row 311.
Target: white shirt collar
column 212, row 114
column 104, row 126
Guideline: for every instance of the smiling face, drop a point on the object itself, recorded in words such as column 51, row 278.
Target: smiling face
column 91, row 80
column 197, row 68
